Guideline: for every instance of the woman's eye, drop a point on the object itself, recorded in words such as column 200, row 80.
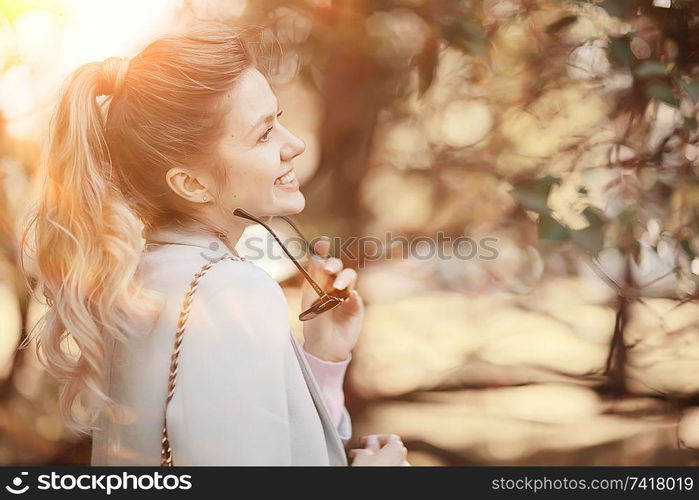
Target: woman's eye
column 265, row 137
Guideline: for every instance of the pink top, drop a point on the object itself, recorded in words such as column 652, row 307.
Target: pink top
column 330, row 376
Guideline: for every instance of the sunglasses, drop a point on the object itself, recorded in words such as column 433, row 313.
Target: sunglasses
column 326, row 300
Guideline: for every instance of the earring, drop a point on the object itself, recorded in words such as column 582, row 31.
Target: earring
column 204, row 198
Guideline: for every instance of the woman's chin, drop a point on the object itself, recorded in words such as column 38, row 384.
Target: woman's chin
column 292, row 207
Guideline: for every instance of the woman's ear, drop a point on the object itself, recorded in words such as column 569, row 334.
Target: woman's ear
column 186, row 185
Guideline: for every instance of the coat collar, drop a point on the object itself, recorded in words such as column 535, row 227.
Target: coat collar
column 202, row 238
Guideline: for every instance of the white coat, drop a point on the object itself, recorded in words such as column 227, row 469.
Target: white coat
column 245, row 394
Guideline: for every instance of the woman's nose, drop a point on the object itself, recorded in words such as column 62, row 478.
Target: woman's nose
column 294, row 147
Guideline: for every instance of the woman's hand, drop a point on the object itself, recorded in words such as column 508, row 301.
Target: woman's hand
column 381, row 449
column 331, row 336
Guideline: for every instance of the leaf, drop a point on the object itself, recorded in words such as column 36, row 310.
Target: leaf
column 627, row 216
column 551, row 230
column 620, row 47
column 590, row 239
column 466, row 35
column 476, row 47
column 662, row 92
column 532, row 195
column 473, row 38
column 692, row 88
column 426, row 63
column 561, row 24
column 649, row 69
column 618, row 8
column 687, row 248
column 472, row 30
column 636, row 252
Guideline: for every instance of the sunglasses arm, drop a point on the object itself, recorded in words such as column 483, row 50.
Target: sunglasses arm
column 242, row 213
column 298, row 231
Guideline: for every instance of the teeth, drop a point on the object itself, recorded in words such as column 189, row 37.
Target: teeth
column 285, row 179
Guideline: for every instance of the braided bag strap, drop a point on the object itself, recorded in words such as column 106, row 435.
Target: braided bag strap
column 166, row 450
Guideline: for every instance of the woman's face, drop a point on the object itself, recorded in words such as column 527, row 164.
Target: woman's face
column 256, row 150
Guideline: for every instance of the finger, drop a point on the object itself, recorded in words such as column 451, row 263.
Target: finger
column 322, row 246
column 345, row 279
column 324, row 277
column 356, row 452
column 352, row 306
column 396, row 448
column 332, row 265
column 383, row 438
column 372, row 443
column 394, row 453
column 317, row 269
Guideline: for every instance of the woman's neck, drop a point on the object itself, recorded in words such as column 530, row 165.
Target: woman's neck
column 229, row 233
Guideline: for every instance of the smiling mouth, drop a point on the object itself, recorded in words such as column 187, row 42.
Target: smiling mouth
column 285, row 179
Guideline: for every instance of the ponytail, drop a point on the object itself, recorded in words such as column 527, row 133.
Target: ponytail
column 87, row 241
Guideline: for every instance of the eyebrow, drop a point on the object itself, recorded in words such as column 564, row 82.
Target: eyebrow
column 265, row 119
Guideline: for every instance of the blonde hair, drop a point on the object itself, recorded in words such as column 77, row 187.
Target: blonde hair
column 116, row 130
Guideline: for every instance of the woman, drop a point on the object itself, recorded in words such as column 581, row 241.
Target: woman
column 188, row 132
